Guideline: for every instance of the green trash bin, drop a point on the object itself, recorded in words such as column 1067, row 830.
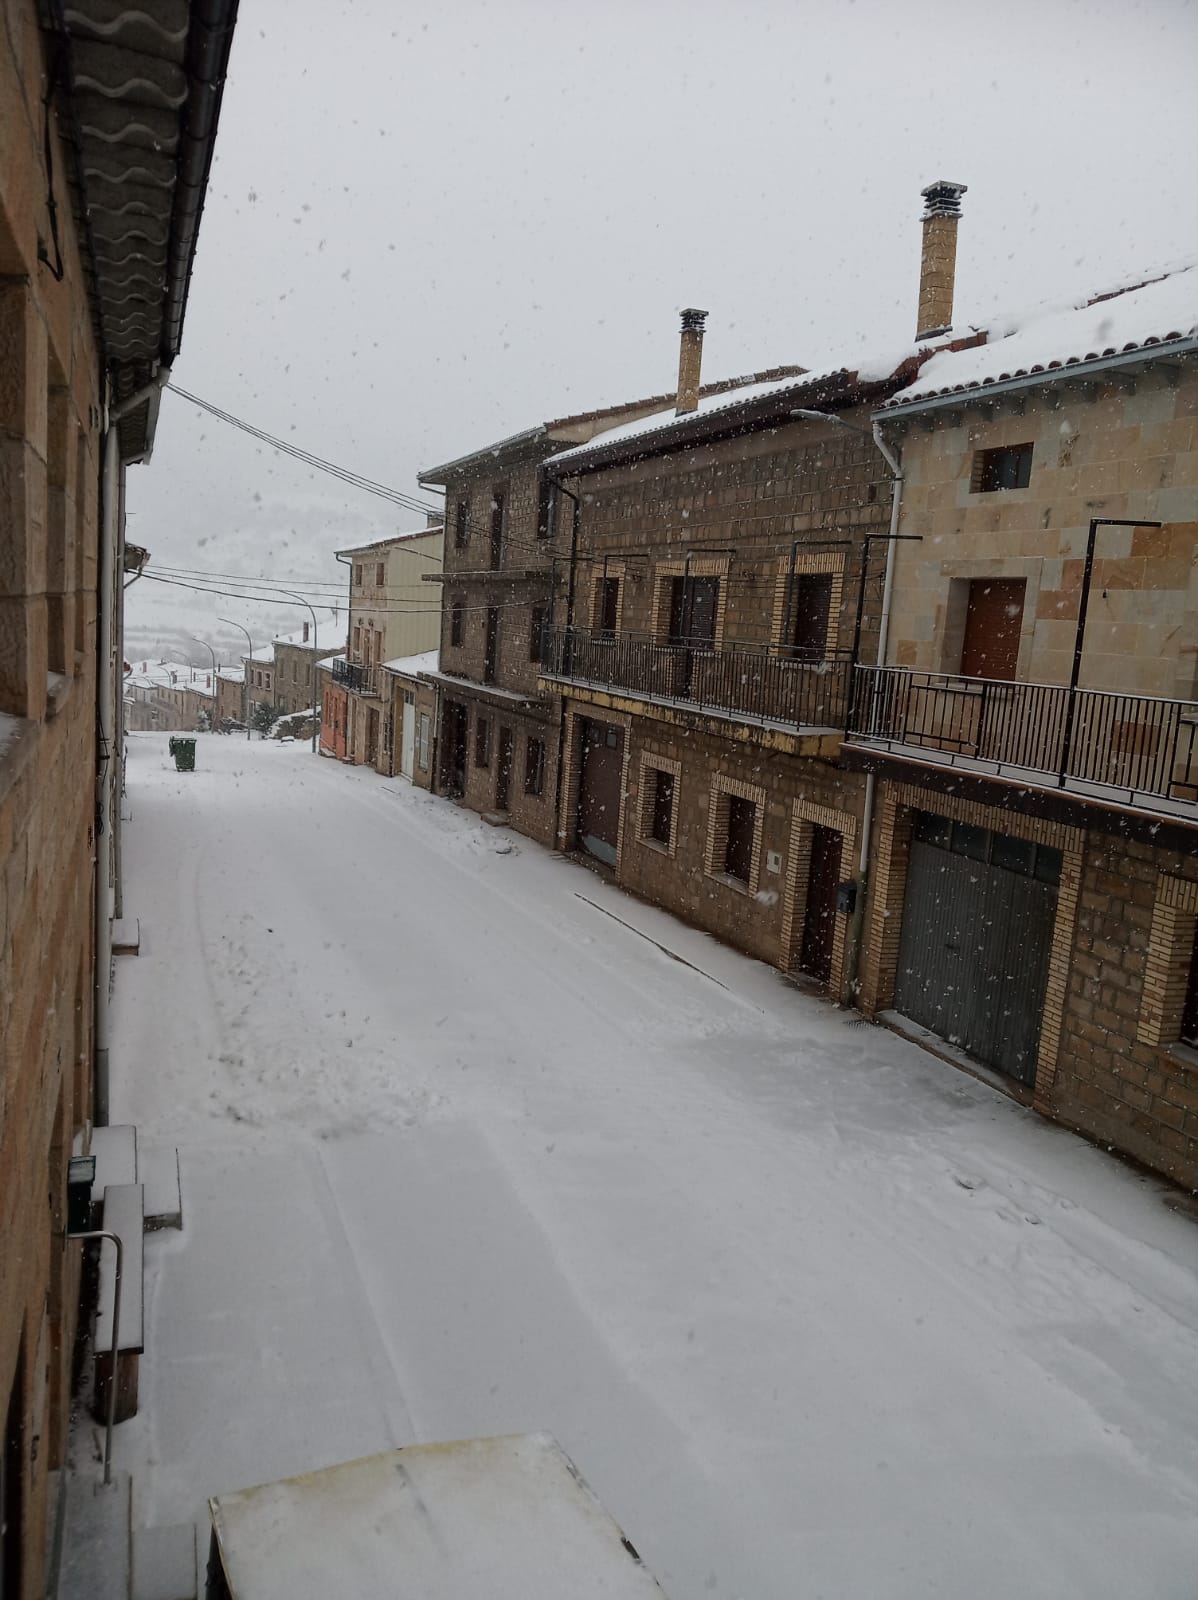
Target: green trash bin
column 184, row 752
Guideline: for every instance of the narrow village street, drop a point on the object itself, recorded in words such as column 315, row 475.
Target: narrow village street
column 473, row 1143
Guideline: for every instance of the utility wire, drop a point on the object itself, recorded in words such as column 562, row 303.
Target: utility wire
column 356, row 479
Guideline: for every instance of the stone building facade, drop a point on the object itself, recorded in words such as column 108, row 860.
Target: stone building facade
column 295, row 659
column 84, row 343
column 726, row 571
column 505, row 555
column 230, row 695
column 1033, row 735
column 393, row 614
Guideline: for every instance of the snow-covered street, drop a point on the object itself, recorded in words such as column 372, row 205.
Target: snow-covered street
column 472, row 1143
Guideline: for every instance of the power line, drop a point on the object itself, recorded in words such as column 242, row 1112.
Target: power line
column 356, row 479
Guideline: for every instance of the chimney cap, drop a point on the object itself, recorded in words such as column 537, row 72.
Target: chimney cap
column 693, row 318
column 943, row 198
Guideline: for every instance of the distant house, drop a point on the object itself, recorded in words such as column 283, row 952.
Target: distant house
column 393, row 613
column 168, row 697
column 230, row 694
column 410, row 695
column 295, row 659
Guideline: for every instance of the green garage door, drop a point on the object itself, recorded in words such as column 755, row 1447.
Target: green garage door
column 976, row 936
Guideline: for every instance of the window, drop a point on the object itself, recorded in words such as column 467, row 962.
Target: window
column 536, row 633
column 661, row 807
column 810, row 608
column 735, row 824
column 1007, row 468
column 457, row 622
column 546, row 501
column 461, row 525
column 738, row 850
column 496, row 528
column 1189, row 1012
column 357, row 641
column 694, row 610
column 358, row 576
column 380, row 574
column 534, row 768
column 482, row 742
column 609, row 607
column 424, row 740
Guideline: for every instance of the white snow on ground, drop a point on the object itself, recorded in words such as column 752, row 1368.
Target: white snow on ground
column 815, row 1313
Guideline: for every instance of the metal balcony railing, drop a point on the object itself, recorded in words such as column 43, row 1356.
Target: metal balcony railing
column 353, row 675
column 1134, row 748
column 749, row 683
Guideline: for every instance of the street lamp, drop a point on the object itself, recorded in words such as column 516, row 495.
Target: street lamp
column 246, row 694
column 215, row 689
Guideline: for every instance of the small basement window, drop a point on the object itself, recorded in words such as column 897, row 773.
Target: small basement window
column 1009, row 467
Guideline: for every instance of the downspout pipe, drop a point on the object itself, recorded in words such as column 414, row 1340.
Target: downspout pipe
column 111, row 541
column 893, row 461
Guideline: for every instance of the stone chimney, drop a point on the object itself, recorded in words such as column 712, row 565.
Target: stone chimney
column 938, row 267
column 690, row 360
column 306, row 626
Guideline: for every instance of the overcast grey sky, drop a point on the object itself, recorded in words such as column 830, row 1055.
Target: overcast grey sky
column 431, row 225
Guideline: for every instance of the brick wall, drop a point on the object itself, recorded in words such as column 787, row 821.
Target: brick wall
column 755, row 496
column 685, row 879
column 49, row 478
column 1123, row 1079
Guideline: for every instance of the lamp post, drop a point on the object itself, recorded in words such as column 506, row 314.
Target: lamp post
column 1083, row 607
column 212, row 653
column 249, row 658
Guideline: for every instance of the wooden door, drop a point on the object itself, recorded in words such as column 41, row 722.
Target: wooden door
column 819, row 920
column 601, row 772
column 993, row 621
column 372, row 738
column 407, row 748
column 503, row 773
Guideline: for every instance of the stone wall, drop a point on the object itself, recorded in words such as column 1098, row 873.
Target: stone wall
column 49, row 484
column 1114, row 450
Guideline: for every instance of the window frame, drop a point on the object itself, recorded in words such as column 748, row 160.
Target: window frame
column 482, row 741
column 457, row 624
column 653, row 767
column 461, row 523
column 990, row 465
column 723, row 790
column 534, row 767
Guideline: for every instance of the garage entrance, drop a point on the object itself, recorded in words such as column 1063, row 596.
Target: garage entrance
column 977, row 928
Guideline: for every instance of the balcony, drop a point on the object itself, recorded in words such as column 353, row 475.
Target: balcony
column 353, row 675
column 1125, row 749
column 742, row 683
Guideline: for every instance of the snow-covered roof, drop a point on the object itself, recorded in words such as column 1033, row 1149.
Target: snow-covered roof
column 231, row 674
column 862, row 367
column 298, row 638
column 169, row 675
column 1053, row 338
column 434, row 531
column 412, row 666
